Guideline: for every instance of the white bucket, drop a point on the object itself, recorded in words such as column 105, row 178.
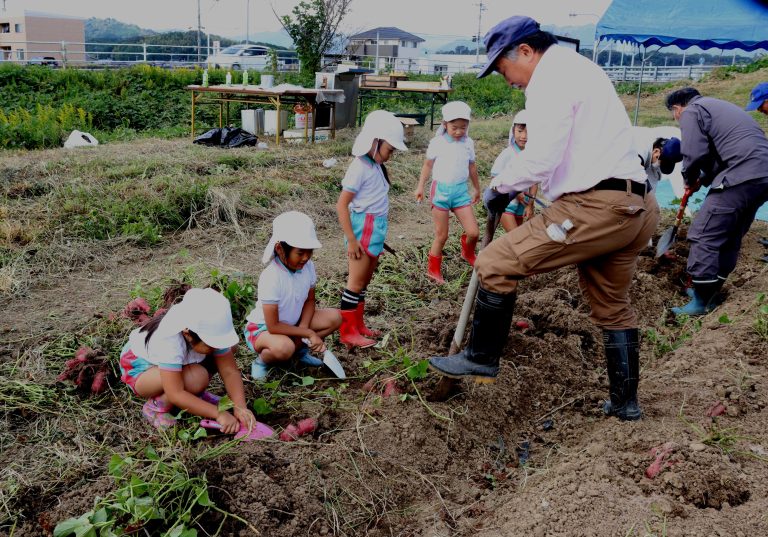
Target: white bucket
column 303, row 120
column 267, row 81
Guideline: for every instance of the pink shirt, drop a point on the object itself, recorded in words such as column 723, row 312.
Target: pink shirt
column 579, row 132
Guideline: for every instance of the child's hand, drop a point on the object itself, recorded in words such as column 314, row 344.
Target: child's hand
column 475, row 196
column 419, row 194
column 522, row 198
column 316, row 344
column 528, row 214
column 354, row 250
column 229, row 425
column 245, row 417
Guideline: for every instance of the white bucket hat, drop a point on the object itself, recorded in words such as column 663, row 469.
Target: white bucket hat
column 205, row 312
column 381, row 125
column 521, row 118
column 456, row 110
column 294, row 228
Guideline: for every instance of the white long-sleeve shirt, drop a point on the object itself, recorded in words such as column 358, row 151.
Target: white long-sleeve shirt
column 578, row 133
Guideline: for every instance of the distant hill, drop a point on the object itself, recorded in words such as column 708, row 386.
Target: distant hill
column 460, row 46
column 112, row 30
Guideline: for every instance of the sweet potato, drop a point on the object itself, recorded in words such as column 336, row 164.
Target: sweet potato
column 99, row 383
column 290, row 433
column 390, row 388
column 306, row 426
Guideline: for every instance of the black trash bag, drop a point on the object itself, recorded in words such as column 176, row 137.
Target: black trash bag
column 212, row 137
column 237, row 137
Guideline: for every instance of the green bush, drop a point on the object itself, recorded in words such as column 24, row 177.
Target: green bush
column 46, row 126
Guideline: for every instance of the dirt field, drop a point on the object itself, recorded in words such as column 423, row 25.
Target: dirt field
column 529, row 455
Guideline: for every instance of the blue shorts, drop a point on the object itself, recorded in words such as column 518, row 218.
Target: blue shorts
column 449, row 196
column 515, row 207
column 370, row 230
column 252, row 331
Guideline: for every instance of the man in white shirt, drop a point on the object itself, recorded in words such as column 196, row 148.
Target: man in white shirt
column 581, row 151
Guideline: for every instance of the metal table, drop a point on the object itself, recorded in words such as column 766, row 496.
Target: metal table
column 277, row 98
column 431, row 95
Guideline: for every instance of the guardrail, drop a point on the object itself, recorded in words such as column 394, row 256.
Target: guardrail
column 656, row 73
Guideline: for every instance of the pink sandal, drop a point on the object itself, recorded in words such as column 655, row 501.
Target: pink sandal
column 157, row 413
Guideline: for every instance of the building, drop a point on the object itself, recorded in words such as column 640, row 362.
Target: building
column 395, row 48
column 31, row 34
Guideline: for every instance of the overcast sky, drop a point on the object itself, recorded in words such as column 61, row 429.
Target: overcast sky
column 227, row 17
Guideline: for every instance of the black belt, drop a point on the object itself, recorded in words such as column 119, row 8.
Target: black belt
column 621, row 186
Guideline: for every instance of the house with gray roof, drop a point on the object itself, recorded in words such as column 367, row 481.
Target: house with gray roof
column 391, row 43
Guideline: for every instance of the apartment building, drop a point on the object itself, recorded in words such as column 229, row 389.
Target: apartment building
column 31, row 34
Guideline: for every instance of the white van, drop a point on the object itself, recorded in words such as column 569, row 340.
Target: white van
column 239, row 57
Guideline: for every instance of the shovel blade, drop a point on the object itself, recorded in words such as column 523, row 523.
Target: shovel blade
column 333, row 364
column 666, row 240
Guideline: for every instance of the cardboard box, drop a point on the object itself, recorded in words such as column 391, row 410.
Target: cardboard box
column 418, row 84
column 408, row 125
column 377, row 81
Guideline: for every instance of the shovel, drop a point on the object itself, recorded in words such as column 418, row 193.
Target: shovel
column 259, row 431
column 667, row 238
column 330, row 360
column 446, row 385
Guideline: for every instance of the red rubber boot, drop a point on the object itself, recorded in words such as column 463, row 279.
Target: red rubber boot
column 349, row 333
column 364, row 330
column 434, row 270
column 467, row 253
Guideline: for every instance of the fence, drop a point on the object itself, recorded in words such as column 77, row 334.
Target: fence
column 106, row 55
column 656, row 73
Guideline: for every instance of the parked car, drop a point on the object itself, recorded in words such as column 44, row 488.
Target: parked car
column 239, row 57
column 43, row 60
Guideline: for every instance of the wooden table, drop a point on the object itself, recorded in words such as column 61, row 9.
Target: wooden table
column 277, row 98
column 432, row 95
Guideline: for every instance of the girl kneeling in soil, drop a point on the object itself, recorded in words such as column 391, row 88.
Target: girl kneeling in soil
column 285, row 312
column 520, row 208
column 362, row 207
column 451, row 162
column 170, row 360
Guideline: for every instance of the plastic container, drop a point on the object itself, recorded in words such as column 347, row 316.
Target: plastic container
column 205, row 78
column 303, row 120
column 267, row 81
column 559, row 232
column 228, row 80
column 245, row 77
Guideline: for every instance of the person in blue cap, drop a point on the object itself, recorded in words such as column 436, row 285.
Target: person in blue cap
column 581, row 151
column 725, row 149
column 758, row 99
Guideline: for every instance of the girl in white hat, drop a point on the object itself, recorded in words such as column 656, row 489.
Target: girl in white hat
column 451, row 163
column 362, row 208
column 521, row 207
column 285, row 312
column 170, row 361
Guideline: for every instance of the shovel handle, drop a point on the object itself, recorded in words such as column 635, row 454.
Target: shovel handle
column 683, row 205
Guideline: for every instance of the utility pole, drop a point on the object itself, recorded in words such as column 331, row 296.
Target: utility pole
column 247, row 21
column 199, row 32
column 481, row 8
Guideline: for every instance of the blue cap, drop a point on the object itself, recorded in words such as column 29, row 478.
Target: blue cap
column 504, row 36
column 757, row 97
column 670, row 155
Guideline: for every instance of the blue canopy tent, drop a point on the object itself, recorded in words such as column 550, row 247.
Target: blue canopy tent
column 722, row 24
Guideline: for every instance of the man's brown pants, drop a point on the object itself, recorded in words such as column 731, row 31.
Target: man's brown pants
column 610, row 229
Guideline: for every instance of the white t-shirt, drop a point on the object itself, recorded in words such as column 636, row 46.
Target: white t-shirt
column 289, row 290
column 365, row 179
column 169, row 352
column 452, row 158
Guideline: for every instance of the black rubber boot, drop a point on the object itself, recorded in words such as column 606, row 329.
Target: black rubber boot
column 490, row 328
column 622, row 355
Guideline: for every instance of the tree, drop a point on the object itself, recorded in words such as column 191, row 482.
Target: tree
column 314, row 26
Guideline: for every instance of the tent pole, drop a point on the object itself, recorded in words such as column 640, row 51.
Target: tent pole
column 594, row 51
column 639, row 85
